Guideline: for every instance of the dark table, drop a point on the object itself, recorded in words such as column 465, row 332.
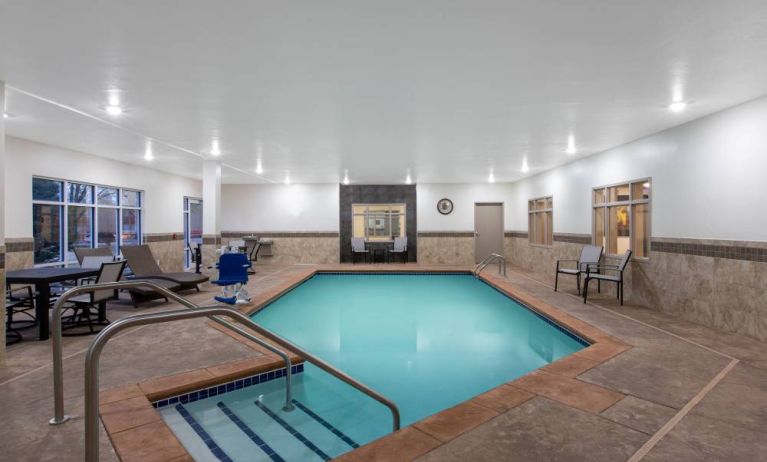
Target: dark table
column 378, row 250
column 42, row 278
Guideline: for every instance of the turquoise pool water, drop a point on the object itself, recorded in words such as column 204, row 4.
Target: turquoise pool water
column 427, row 342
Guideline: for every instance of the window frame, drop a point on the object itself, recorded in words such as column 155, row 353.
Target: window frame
column 389, row 214
column 630, row 203
column 94, row 208
column 531, row 212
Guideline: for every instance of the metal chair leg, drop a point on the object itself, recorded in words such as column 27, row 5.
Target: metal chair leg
column 585, row 290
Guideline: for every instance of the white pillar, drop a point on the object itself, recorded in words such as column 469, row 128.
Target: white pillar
column 211, row 198
column 2, row 219
column 211, row 212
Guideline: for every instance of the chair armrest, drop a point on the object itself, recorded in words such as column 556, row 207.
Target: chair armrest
column 593, row 267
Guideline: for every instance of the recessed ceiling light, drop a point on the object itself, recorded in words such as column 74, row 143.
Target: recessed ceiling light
column 491, row 177
column 346, row 177
column 571, row 145
column 5, row 115
column 525, row 167
column 408, row 179
column 148, row 154
column 114, row 110
column 215, row 150
column 259, row 167
column 677, row 106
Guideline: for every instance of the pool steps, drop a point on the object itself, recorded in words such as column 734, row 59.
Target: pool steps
column 258, row 428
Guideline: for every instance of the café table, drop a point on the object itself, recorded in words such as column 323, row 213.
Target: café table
column 42, row 278
column 378, row 250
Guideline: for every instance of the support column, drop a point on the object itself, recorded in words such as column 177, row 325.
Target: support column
column 2, row 220
column 211, row 213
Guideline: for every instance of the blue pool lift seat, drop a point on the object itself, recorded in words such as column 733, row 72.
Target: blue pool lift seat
column 232, row 277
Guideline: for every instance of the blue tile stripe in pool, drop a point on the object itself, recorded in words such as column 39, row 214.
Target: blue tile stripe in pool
column 228, row 387
column 204, row 436
column 295, row 433
column 326, row 424
column 250, row 433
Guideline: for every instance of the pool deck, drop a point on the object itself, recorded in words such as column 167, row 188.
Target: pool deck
column 667, row 390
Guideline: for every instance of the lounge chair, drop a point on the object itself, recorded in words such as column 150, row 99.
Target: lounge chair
column 82, row 252
column 138, row 295
column 399, row 248
column 144, row 266
column 595, row 272
column 358, row 248
column 590, row 255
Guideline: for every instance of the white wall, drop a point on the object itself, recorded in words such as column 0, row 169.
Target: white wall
column 295, row 207
column 463, row 196
column 163, row 199
column 708, row 179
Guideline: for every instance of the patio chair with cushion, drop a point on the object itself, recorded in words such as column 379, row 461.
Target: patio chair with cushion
column 144, row 266
column 590, row 254
column 596, row 272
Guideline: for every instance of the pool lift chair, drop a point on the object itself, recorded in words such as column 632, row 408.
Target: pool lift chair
column 232, row 277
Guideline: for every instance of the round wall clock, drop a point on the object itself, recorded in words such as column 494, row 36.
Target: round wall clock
column 445, row 206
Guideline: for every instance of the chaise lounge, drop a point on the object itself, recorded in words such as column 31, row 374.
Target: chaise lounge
column 144, row 266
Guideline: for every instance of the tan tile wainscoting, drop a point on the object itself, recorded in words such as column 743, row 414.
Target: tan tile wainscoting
column 168, row 249
column 451, row 247
column 720, row 284
column 290, row 248
column 139, row 433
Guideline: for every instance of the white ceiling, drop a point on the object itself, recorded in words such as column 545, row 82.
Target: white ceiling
column 447, row 89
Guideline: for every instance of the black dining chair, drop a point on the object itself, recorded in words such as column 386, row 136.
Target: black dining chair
column 84, row 317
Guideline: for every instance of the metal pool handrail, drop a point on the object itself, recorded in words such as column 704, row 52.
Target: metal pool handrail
column 58, row 369
column 488, row 260
column 95, row 349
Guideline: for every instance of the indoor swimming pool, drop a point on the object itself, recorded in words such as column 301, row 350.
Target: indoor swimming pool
column 427, row 342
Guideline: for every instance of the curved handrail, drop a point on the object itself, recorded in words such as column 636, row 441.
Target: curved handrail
column 58, row 368
column 95, row 349
column 488, row 260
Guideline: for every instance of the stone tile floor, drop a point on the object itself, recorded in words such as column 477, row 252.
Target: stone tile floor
column 660, row 376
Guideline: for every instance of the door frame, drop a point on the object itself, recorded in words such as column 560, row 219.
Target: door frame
column 503, row 224
column 187, row 230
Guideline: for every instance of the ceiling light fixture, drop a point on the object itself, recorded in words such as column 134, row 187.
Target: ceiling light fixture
column 408, row 179
column 148, row 154
column 215, row 150
column 571, row 145
column 677, row 106
column 259, row 167
column 114, row 110
column 525, row 167
column 491, row 178
column 5, row 115
column 346, row 177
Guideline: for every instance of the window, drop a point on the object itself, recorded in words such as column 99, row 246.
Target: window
column 540, row 226
column 67, row 215
column 378, row 222
column 622, row 218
